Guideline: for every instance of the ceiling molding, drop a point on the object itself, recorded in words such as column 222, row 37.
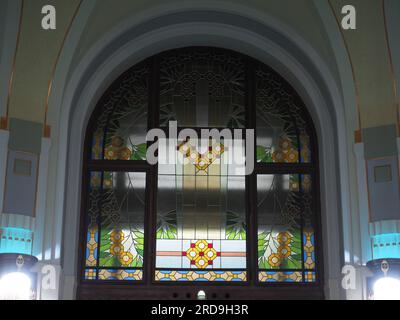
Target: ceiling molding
column 46, row 128
column 356, row 86
column 11, row 81
column 393, row 74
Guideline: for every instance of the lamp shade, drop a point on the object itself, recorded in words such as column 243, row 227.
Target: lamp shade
column 17, row 281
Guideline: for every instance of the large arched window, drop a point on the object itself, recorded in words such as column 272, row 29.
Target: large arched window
column 169, row 229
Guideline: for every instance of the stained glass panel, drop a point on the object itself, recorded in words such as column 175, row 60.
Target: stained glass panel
column 201, row 232
column 114, row 274
column 285, row 226
column 121, row 128
column 207, row 276
column 202, row 88
column 115, row 236
column 282, row 132
column 201, row 212
column 277, row 276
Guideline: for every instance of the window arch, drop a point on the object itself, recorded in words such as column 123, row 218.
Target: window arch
column 201, row 221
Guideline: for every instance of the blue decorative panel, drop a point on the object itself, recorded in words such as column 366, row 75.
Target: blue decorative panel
column 15, row 240
column 386, row 246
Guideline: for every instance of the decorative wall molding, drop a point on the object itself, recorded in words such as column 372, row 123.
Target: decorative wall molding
column 46, row 128
column 4, row 137
column 363, row 198
column 17, row 221
column 384, row 227
column 41, row 222
column 10, row 18
column 351, row 119
column 398, row 146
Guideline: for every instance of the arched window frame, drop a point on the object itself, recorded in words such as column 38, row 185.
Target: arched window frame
column 145, row 287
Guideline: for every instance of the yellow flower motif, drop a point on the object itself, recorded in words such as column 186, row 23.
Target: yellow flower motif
column 284, row 252
column 201, row 254
column 202, row 163
column 111, row 153
column 294, row 186
column 117, row 236
column 278, row 156
column 284, row 238
column 126, row 259
column 116, row 249
column 218, row 149
column 185, row 148
column 125, row 154
column 274, row 260
column 107, row 183
column 292, row 156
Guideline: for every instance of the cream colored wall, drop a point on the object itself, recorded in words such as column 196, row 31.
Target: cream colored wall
column 370, row 59
column 38, row 50
column 35, row 58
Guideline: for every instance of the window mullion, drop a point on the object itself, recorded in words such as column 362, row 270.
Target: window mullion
column 284, row 168
column 151, row 181
column 118, row 165
column 251, row 180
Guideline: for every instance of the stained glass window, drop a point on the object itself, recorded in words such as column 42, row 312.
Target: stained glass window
column 115, row 236
column 286, row 241
column 201, row 214
column 195, row 216
column 282, row 129
column 121, row 128
column 202, row 88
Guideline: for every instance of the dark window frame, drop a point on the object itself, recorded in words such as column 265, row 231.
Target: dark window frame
column 148, row 288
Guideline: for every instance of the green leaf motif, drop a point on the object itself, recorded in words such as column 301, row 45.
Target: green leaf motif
column 268, row 244
column 167, row 226
column 139, row 152
column 235, row 226
column 263, row 154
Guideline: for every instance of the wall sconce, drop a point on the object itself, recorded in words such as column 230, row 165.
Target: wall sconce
column 385, row 282
column 17, row 282
column 201, row 295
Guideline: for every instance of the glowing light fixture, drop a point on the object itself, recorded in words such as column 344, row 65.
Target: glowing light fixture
column 201, row 295
column 386, row 280
column 16, row 280
column 386, row 288
column 15, row 286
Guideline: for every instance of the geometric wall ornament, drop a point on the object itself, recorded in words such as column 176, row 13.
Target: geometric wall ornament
column 22, row 167
column 383, row 187
column 386, row 246
column 383, row 174
column 21, row 183
column 16, row 240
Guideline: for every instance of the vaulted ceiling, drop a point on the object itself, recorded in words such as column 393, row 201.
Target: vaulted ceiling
column 31, row 55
